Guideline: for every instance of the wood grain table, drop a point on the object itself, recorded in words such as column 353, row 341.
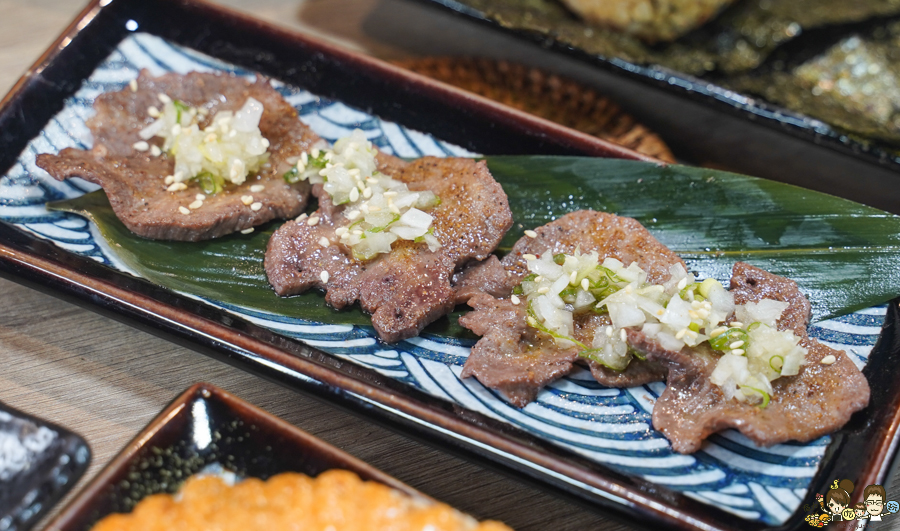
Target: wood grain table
column 106, row 380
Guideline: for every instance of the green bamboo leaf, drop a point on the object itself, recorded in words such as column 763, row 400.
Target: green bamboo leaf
column 842, row 254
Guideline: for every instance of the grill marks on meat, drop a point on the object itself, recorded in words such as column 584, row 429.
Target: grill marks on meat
column 813, row 403
column 411, row 286
column 134, row 181
column 512, row 357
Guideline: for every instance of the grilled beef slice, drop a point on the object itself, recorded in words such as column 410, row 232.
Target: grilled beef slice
column 411, row 286
column 813, row 403
column 134, row 180
column 517, row 360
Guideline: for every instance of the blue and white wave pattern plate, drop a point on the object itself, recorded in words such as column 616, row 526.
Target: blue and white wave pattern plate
column 609, row 426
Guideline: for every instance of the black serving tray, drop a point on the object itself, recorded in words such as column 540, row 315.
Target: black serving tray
column 39, row 463
column 703, row 122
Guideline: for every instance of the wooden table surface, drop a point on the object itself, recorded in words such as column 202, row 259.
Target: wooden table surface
column 106, row 380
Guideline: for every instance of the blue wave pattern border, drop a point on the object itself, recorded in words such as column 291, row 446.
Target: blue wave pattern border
column 609, row 426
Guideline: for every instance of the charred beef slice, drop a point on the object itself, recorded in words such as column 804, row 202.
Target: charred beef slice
column 409, row 287
column 817, row 401
column 134, row 180
column 517, row 360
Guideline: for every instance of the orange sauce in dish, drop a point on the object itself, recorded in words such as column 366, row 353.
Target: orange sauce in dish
column 337, row 500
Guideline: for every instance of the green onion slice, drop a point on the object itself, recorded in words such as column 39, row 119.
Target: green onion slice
column 780, row 365
column 765, row 395
column 728, row 337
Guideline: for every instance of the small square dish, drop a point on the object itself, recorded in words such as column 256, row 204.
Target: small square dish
column 39, row 463
column 702, row 92
column 206, row 429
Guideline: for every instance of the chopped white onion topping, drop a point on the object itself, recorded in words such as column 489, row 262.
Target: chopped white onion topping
column 229, row 148
column 681, row 312
column 381, row 210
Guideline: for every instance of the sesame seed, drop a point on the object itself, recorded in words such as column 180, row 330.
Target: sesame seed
column 736, row 344
column 163, row 98
column 736, row 324
column 703, row 313
column 354, row 195
column 738, row 352
column 304, row 158
column 176, row 130
column 155, row 151
column 530, row 234
column 176, row 187
column 538, row 278
column 340, row 231
column 256, row 188
column 692, row 334
column 256, row 206
column 364, row 208
column 315, row 153
column 195, row 205
column 374, row 209
column 828, row 360
column 367, row 193
column 394, row 209
column 233, row 133
column 247, row 231
column 353, row 215
column 184, row 210
column 681, row 333
column 141, row 146
column 389, row 194
column 357, row 232
column 529, row 257
column 169, row 179
column 585, row 284
column 514, row 299
column 682, row 283
column 543, row 290
column 247, row 199
column 573, row 278
column 628, row 289
column 609, row 331
column 622, row 335
column 718, row 332
column 313, row 221
column 370, row 180
column 210, row 138
column 153, row 112
column 178, row 175
column 324, row 276
column 693, row 314
column 200, row 197
column 301, row 217
column 133, row 85
column 660, row 312
column 324, row 242
column 695, row 305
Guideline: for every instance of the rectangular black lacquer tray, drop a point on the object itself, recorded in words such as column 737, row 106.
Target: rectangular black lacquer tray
column 863, row 449
column 704, row 123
